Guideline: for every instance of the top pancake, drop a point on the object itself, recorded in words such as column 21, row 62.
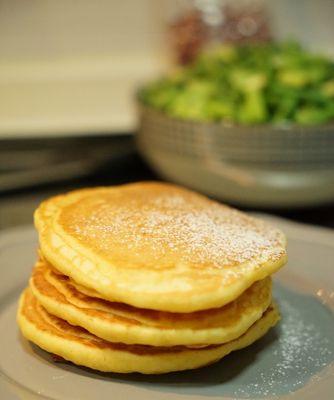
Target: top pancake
column 157, row 246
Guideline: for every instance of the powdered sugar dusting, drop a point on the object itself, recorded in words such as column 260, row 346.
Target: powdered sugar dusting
column 174, row 223
column 304, row 346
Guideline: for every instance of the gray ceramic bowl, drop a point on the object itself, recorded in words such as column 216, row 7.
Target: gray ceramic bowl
column 262, row 166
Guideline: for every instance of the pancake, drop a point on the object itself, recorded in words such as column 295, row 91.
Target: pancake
column 117, row 322
column 82, row 348
column 157, row 246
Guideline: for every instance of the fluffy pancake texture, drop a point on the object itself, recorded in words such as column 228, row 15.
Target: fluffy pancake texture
column 149, row 278
column 81, row 347
column 157, row 246
column 117, row 322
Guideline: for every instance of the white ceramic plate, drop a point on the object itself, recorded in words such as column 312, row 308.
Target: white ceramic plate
column 294, row 361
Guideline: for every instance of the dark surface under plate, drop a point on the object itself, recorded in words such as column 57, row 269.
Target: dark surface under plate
column 107, row 160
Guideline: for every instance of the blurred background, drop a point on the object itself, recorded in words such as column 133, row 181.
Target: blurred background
column 232, row 98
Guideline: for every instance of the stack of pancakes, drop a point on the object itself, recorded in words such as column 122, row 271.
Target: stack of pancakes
column 149, row 278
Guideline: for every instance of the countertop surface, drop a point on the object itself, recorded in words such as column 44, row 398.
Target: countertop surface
column 125, row 165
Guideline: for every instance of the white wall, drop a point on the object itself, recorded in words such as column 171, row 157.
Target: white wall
column 310, row 21
column 53, row 28
column 71, row 66
column 57, row 28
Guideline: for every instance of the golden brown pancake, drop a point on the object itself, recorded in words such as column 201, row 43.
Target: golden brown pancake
column 117, row 322
column 157, row 246
column 82, row 348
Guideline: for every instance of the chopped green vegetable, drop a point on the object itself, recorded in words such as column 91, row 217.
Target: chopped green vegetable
column 248, row 80
column 328, row 88
column 276, row 83
column 310, row 115
column 253, row 109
